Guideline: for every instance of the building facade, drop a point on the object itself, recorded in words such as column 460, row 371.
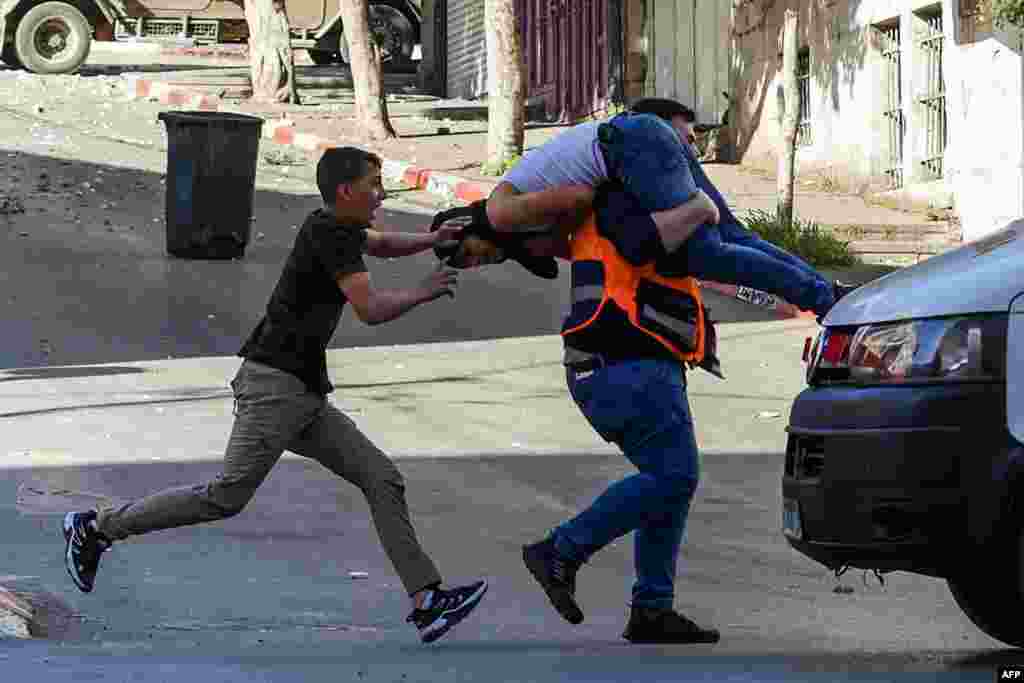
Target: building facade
column 922, row 98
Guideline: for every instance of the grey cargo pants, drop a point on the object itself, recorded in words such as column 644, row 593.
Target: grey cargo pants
column 274, row 412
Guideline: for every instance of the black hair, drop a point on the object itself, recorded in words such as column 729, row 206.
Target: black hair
column 663, row 108
column 341, row 165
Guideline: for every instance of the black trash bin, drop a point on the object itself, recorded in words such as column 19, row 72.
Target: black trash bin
column 211, row 178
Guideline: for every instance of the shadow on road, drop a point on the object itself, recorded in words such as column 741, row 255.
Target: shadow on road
column 273, row 581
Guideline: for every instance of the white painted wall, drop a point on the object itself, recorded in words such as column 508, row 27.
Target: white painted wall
column 984, row 160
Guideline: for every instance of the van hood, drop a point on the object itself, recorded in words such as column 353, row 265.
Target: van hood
column 980, row 277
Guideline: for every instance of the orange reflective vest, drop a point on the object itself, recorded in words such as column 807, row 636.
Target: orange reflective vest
column 668, row 309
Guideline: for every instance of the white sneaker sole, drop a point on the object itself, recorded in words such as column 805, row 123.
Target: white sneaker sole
column 450, row 618
column 70, row 536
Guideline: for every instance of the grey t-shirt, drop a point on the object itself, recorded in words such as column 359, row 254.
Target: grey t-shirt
column 570, row 158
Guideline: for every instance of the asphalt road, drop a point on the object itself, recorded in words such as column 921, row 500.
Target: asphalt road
column 266, row 595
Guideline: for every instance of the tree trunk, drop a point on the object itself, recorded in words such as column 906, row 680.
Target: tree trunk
column 364, row 59
column 271, row 64
column 505, row 85
column 790, row 119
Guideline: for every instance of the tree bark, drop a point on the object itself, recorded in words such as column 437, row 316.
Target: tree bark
column 364, row 59
column 790, row 119
column 505, row 85
column 271, row 63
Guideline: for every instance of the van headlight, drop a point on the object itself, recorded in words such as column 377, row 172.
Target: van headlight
column 961, row 349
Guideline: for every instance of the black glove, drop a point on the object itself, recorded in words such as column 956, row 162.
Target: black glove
column 479, row 238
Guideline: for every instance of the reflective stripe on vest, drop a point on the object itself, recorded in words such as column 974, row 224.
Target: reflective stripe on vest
column 668, row 309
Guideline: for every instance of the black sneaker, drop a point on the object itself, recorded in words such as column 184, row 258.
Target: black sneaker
column 556, row 575
column 665, row 626
column 448, row 607
column 83, row 550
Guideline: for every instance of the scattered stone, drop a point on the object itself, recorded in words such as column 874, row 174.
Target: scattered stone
column 10, row 206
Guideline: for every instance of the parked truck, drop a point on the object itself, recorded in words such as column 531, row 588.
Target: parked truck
column 54, row 36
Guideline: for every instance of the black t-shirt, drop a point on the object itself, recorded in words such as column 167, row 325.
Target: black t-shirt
column 306, row 305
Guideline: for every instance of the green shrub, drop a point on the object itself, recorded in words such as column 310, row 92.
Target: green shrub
column 806, row 239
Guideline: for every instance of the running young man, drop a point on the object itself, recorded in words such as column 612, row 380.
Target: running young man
column 281, row 396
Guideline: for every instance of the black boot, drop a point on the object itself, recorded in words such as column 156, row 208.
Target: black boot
column 665, row 626
column 556, row 575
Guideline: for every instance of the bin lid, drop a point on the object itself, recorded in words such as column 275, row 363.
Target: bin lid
column 207, row 118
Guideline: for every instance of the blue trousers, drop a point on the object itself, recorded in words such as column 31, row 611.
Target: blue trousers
column 641, row 406
column 660, row 172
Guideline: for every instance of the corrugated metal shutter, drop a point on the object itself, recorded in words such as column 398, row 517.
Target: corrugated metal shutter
column 691, row 54
column 467, row 49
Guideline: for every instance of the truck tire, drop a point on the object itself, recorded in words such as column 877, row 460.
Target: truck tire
column 322, row 57
column 10, row 58
column 991, row 593
column 52, row 38
column 392, row 30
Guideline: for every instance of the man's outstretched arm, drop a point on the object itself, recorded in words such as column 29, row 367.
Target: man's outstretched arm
column 510, row 210
column 516, row 211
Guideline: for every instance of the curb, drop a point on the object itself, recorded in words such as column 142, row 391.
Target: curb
column 174, row 96
column 447, row 186
column 240, row 53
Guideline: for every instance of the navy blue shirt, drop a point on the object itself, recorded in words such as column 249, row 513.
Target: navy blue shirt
column 306, row 305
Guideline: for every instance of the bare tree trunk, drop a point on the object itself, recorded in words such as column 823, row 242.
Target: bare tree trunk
column 790, row 119
column 505, row 85
column 271, row 64
column 364, row 58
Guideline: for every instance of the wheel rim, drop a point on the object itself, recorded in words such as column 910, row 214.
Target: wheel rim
column 53, row 40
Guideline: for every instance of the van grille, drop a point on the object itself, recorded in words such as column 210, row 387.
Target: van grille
column 805, row 457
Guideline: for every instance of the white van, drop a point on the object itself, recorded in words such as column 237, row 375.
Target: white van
column 906, row 451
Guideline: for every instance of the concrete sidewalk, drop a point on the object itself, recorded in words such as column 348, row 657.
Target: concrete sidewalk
column 496, row 396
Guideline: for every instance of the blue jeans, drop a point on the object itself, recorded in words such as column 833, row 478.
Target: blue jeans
column 660, row 172
column 641, row 406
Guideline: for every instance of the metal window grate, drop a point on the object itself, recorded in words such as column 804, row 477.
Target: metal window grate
column 803, row 81
column 933, row 100
column 889, row 38
column 203, row 30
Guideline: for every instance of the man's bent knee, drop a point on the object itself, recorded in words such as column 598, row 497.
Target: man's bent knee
column 226, row 499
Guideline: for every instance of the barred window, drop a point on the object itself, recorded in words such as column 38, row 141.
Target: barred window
column 803, row 82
